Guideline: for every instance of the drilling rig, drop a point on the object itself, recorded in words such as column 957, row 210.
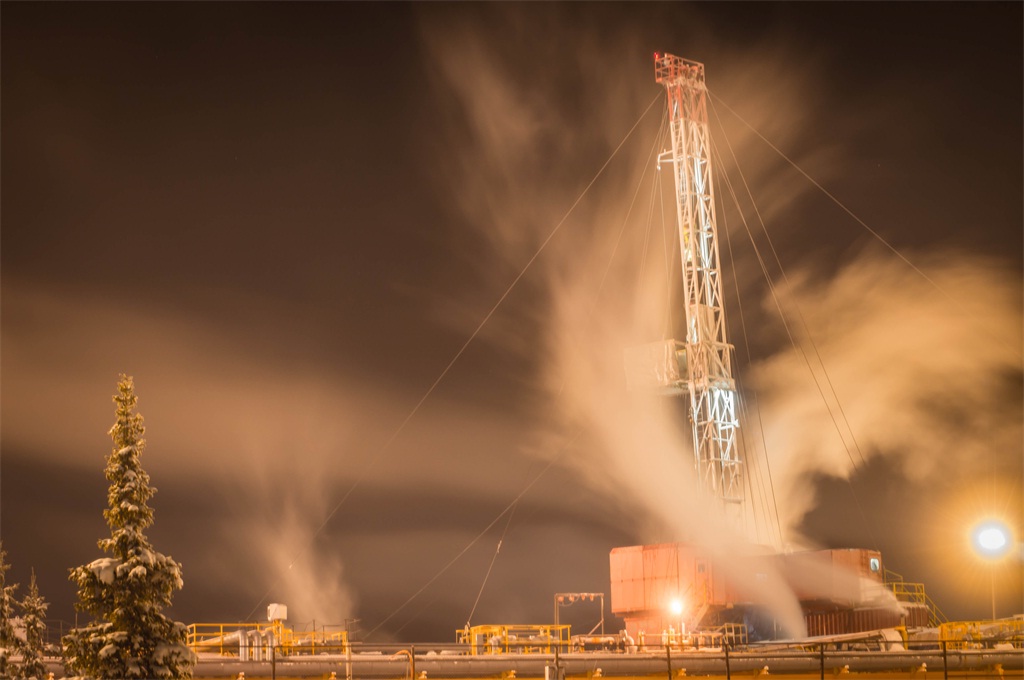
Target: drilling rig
column 700, row 367
column 706, row 353
column 670, row 588
column 697, row 369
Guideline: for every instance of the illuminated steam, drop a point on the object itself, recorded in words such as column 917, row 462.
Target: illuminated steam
column 923, row 377
column 305, row 575
column 597, row 301
column 920, row 373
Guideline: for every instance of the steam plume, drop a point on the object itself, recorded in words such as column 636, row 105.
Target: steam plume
column 902, row 357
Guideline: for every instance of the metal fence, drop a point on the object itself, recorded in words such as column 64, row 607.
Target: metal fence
column 946, row 659
column 457, row 662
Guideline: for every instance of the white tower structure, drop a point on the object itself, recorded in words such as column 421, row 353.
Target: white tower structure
column 708, row 374
column 699, row 367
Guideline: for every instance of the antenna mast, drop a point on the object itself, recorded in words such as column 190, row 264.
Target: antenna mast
column 708, row 356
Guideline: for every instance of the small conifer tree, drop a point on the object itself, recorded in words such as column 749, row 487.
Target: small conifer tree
column 33, row 614
column 9, row 642
column 127, row 591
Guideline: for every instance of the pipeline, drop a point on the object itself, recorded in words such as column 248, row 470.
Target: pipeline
column 379, row 665
column 1007, row 663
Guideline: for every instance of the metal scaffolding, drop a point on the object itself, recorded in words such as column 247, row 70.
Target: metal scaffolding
column 708, row 356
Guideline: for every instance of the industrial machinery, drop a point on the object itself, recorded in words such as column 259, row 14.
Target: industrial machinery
column 664, row 588
column 686, row 612
column 699, row 367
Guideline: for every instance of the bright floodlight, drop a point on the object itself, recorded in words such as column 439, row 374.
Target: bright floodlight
column 992, row 538
column 676, row 607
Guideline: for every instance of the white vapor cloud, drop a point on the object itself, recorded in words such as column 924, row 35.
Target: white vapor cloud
column 902, row 358
column 925, row 373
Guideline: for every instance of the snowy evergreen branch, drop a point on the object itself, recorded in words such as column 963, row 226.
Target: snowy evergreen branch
column 33, row 614
column 127, row 591
column 9, row 642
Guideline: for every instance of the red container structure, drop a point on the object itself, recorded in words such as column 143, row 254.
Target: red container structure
column 831, row 578
column 677, row 586
column 844, row 621
column 669, row 585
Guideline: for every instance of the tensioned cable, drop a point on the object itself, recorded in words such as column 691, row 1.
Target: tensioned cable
column 859, row 221
column 782, row 315
column 658, row 192
column 629, row 211
column 600, row 287
column 469, row 545
column 746, row 345
column 670, row 254
column 433, row 599
column 650, row 208
column 831, row 196
column 476, row 332
column 796, row 306
column 643, row 251
column 865, row 226
column 755, row 467
column 462, row 350
column 792, row 340
column 494, row 559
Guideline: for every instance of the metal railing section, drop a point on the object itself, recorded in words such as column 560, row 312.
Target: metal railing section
column 255, row 640
column 905, row 591
column 515, row 639
column 983, row 634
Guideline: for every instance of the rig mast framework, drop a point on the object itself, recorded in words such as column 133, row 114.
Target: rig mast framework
column 702, row 364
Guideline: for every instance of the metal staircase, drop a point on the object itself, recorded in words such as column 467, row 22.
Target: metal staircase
column 914, row 593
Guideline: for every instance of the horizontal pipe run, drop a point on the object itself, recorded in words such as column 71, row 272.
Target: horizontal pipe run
column 584, row 665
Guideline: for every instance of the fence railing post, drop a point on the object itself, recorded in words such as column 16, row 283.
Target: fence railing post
column 668, row 660
column 945, row 665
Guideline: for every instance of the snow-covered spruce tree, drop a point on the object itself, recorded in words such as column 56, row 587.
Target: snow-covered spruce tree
column 9, row 642
column 33, row 614
column 126, row 592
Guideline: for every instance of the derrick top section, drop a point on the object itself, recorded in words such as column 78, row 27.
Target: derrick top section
column 671, row 70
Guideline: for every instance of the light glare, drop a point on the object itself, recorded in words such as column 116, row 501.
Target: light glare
column 991, row 538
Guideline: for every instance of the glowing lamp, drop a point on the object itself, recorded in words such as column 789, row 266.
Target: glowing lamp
column 991, row 539
column 676, row 607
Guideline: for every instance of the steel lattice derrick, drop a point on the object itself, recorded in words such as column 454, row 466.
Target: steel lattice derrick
column 709, row 380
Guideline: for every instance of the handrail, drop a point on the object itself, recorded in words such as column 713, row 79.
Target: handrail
column 905, row 591
column 515, row 638
column 975, row 634
column 230, row 639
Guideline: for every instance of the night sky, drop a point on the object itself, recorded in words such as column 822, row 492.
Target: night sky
column 285, row 220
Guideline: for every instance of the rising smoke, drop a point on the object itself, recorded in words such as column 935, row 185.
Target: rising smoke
column 926, row 373
column 921, row 369
column 305, row 574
